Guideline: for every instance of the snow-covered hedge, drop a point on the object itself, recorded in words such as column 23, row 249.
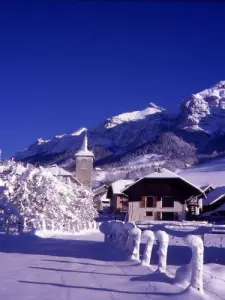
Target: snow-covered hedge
column 44, row 201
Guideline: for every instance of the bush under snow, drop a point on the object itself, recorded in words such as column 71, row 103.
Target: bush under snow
column 44, row 201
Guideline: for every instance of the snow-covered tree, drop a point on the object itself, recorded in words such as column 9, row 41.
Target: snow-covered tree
column 43, row 200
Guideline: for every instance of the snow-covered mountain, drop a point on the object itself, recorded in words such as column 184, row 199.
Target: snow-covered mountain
column 205, row 111
column 116, row 135
column 201, row 121
column 133, row 116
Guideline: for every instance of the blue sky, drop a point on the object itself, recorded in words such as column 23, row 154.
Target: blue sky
column 68, row 64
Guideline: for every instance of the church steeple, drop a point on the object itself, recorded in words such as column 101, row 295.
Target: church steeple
column 84, row 146
column 84, row 163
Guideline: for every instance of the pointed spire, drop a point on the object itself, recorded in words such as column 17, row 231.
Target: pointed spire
column 84, row 148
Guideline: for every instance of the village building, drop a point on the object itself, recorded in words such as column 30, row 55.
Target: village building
column 84, row 164
column 100, row 198
column 163, row 195
column 84, row 168
column 63, row 175
column 118, row 199
column 215, row 202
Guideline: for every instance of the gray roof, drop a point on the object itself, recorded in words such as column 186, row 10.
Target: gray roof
column 58, row 171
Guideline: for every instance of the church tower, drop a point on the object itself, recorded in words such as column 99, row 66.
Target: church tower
column 84, row 164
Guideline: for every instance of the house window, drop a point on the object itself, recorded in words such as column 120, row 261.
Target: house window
column 149, row 214
column 169, row 216
column 167, row 201
column 149, row 201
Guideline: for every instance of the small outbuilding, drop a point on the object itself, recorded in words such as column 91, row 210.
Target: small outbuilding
column 118, row 199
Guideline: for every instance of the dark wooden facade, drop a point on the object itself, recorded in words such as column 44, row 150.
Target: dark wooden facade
column 176, row 188
column 163, row 199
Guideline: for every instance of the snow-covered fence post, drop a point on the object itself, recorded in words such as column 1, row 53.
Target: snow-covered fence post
column 120, row 233
column 115, row 233
column 135, row 235
column 77, row 229
column 7, row 226
column 89, row 225
column 197, row 247
column 149, row 235
column 93, row 225
column 105, row 229
column 128, row 242
column 97, row 225
column 163, row 239
column 20, row 225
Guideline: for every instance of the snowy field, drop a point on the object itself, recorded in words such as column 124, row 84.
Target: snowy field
column 212, row 172
column 84, row 267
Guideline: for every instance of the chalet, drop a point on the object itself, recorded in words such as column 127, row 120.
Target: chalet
column 163, row 195
column 118, row 199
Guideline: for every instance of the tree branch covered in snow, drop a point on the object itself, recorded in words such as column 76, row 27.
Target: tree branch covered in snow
column 43, row 200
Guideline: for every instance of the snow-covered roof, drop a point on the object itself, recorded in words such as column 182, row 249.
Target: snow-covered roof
column 58, row 171
column 84, row 148
column 218, row 209
column 206, row 187
column 119, row 185
column 214, row 195
column 100, row 187
column 164, row 173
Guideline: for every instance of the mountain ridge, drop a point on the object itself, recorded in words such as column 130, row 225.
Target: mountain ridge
column 200, row 121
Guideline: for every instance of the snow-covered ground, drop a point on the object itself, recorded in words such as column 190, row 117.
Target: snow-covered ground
column 212, row 172
column 84, row 267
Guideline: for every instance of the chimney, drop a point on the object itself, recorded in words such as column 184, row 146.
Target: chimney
column 158, row 169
